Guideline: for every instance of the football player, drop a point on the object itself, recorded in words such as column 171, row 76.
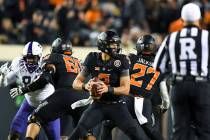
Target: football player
column 145, row 82
column 23, row 71
column 60, row 68
column 112, row 70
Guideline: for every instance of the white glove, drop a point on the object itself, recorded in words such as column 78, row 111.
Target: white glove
column 164, row 95
column 4, row 69
column 14, row 92
column 165, row 104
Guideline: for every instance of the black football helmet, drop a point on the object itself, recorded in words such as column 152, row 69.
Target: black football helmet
column 146, row 45
column 107, row 38
column 58, row 46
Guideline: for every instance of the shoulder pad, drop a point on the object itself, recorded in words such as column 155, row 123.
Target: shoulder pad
column 131, row 55
column 16, row 62
column 93, row 54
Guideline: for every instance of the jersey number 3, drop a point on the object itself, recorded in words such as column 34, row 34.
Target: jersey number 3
column 104, row 77
column 72, row 65
column 143, row 70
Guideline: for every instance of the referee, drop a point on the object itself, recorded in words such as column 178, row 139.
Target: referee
column 185, row 54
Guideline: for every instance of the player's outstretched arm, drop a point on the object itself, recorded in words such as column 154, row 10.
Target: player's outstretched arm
column 45, row 78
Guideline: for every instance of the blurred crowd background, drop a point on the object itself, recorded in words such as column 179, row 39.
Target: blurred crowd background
column 82, row 20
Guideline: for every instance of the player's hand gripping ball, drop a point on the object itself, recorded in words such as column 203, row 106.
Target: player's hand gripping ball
column 95, row 85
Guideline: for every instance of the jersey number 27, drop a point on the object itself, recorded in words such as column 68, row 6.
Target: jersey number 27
column 143, row 71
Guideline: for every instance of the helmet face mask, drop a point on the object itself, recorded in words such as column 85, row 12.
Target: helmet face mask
column 32, row 54
column 146, row 49
column 67, row 49
column 146, row 45
column 113, row 49
column 109, row 43
column 32, row 59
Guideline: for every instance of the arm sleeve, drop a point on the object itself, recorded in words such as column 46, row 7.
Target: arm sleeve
column 85, row 72
column 125, row 66
column 87, row 65
column 89, row 60
column 125, row 73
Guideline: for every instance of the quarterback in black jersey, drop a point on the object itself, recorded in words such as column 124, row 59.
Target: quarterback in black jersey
column 112, row 69
column 144, row 82
column 61, row 69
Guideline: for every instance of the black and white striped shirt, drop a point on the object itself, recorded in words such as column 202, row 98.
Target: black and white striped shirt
column 185, row 52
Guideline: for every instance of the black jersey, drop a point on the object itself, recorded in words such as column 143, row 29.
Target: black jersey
column 144, row 79
column 109, row 72
column 67, row 68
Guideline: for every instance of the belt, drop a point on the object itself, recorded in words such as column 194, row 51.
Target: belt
column 110, row 102
column 190, row 78
column 135, row 95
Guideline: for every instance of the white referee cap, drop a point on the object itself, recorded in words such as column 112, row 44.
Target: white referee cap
column 191, row 12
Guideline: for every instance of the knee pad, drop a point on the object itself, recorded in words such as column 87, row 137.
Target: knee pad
column 34, row 119
column 14, row 136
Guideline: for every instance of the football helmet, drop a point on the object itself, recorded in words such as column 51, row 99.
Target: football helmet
column 146, row 45
column 32, row 53
column 106, row 41
column 58, row 46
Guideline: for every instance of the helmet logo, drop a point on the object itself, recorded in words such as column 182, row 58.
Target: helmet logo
column 102, row 36
column 117, row 63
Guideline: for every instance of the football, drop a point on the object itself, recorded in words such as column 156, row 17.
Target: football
column 94, row 89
